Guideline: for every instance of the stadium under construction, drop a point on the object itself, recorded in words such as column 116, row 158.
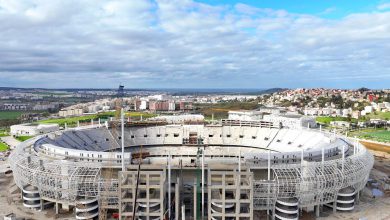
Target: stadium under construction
column 190, row 170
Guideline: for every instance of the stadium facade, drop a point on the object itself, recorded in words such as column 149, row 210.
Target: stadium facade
column 229, row 170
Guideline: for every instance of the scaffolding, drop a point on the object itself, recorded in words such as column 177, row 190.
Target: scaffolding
column 312, row 182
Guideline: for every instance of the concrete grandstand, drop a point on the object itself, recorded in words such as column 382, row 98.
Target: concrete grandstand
column 229, row 170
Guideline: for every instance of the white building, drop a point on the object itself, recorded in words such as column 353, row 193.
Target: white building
column 144, row 105
column 70, row 112
column 381, row 106
column 106, row 108
column 337, row 112
column 160, row 97
column 346, row 112
column 171, row 106
column 245, row 115
column 327, row 111
column 310, row 111
column 356, row 114
column 94, row 108
column 368, row 109
column 32, row 130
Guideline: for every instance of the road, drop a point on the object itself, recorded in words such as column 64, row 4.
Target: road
column 11, row 141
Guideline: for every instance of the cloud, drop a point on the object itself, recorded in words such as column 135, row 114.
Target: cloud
column 184, row 43
column 328, row 11
column 384, row 6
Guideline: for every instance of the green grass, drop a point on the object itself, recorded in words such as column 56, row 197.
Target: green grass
column 363, row 131
column 68, row 121
column 374, row 134
column 379, row 115
column 3, row 147
column 4, row 133
column 87, row 118
column 381, row 136
column 10, row 115
column 23, row 138
column 139, row 114
column 328, row 119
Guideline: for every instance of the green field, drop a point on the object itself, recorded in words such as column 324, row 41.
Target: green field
column 138, row 114
column 73, row 120
column 379, row 115
column 23, row 138
column 375, row 134
column 381, row 136
column 328, row 119
column 10, row 115
column 68, row 121
column 3, row 147
column 3, row 133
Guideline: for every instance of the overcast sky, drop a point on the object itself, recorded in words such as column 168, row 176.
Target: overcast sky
column 183, row 43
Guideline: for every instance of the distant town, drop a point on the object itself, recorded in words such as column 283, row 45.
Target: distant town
column 337, row 107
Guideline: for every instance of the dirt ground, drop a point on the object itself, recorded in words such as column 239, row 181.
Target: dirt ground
column 369, row 208
column 13, row 204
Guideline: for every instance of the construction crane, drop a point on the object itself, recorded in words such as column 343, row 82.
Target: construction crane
column 107, row 174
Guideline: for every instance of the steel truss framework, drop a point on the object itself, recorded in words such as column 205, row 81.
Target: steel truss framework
column 57, row 180
column 313, row 183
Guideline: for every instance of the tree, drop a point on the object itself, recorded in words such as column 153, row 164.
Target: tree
column 337, row 100
column 349, row 118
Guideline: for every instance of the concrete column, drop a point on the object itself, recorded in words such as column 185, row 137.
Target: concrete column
column 237, row 196
column 357, row 197
column 169, row 186
column 268, row 176
column 317, row 211
column 342, row 160
column 223, row 195
column 57, row 208
column 183, row 212
column 122, row 140
column 177, row 199
column 322, row 158
column 203, row 184
column 209, row 191
column 195, row 198
column 273, row 213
